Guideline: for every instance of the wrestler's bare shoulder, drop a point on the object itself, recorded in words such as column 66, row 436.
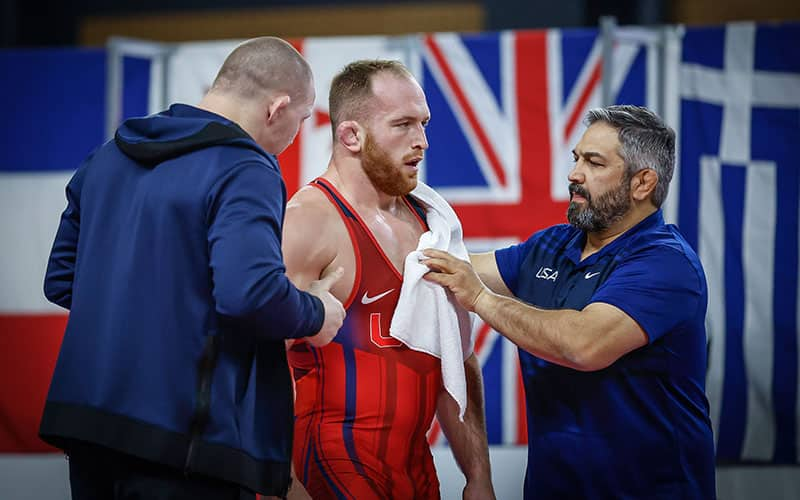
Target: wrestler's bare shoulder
column 312, row 216
column 311, row 201
column 315, row 240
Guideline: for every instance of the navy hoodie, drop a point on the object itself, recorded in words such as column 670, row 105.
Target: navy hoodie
column 168, row 257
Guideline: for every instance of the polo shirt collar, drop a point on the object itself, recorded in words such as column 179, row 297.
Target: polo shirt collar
column 576, row 243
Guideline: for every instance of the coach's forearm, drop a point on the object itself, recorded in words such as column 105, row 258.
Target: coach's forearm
column 555, row 336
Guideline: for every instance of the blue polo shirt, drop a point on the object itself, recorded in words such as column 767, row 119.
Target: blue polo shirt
column 640, row 427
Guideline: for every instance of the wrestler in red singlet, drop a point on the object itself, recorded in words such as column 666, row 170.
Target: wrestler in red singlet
column 365, row 401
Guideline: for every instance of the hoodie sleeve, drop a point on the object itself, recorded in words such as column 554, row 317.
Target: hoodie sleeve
column 244, row 240
column 61, row 264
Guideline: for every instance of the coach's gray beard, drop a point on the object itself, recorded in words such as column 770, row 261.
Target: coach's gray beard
column 598, row 216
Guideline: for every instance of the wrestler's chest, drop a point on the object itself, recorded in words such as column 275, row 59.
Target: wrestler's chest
column 396, row 238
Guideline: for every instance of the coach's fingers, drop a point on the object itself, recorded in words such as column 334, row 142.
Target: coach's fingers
column 443, row 258
column 443, row 261
column 436, row 277
column 438, row 265
column 439, row 254
column 326, row 282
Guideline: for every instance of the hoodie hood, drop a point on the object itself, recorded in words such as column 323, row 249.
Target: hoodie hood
column 181, row 129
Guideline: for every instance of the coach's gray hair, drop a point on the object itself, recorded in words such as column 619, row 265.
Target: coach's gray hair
column 645, row 142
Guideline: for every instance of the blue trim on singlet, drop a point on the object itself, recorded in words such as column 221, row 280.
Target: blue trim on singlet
column 336, row 491
column 350, row 407
column 324, row 185
column 417, row 206
column 413, row 202
column 307, row 462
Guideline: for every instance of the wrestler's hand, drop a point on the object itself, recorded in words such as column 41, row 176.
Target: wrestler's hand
column 297, row 491
column 456, row 275
column 334, row 312
column 478, row 491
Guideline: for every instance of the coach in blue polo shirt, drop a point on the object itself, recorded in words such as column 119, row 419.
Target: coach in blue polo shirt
column 608, row 312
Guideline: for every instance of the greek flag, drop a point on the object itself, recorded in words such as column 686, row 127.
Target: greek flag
column 738, row 205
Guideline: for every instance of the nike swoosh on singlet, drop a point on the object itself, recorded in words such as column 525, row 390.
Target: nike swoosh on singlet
column 589, row 276
column 366, row 299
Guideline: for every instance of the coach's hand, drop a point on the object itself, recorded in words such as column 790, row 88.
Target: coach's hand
column 456, row 275
column 334, row 312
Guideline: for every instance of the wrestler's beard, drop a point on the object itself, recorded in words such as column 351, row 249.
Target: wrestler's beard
column 595, row 216
column 385, row 176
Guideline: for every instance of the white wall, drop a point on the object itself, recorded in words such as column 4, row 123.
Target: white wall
column 34, row 477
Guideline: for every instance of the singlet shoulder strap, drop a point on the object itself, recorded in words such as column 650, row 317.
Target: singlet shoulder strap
column 347, row 211
column 416, row 206
column 332, row 194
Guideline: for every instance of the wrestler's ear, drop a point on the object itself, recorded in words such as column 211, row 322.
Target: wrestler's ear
column 350, row 135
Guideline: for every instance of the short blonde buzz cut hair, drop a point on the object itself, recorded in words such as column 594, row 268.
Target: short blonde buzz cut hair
column 263, row 65
column 351, row 88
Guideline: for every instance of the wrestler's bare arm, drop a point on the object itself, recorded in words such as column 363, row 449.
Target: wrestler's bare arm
column 316, row 242
column 307, row 249
column 468, row 440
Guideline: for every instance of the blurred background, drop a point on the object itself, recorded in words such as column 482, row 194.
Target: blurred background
column 57, row 90
column 90, row 22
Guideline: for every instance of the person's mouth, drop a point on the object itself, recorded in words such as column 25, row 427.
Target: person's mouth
column 577, row 194
column 413, row 163
column 577, row 197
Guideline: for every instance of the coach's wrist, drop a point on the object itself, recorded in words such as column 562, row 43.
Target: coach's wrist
column 485, row 302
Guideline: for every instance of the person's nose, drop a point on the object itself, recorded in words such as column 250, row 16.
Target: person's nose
column 576, row 175
column 420, row 139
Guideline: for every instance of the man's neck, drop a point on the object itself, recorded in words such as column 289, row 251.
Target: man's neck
column 229, row 108
column 596, row 240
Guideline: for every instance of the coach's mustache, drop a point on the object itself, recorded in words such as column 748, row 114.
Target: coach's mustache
column 577, row 188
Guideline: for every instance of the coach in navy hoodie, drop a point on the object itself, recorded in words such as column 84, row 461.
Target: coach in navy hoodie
column 172, row 379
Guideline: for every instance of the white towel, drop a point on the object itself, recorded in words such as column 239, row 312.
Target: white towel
column 427, row 317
